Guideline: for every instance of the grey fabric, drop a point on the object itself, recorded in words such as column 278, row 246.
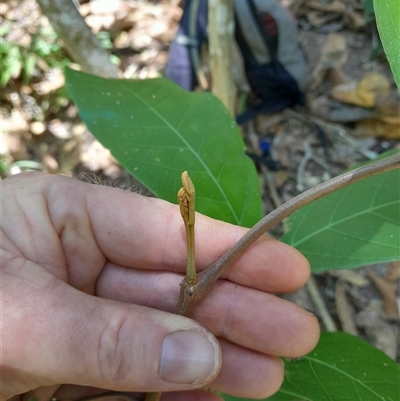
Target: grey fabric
column 289, row 52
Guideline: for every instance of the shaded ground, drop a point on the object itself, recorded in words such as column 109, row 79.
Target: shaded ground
column 41, row 129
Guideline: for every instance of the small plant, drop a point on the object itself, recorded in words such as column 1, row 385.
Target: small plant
column 353, row 219
column 22, row 59
column 349, row 226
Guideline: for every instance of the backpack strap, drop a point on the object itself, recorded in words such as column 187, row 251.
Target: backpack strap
column 248, row 56
column 268, row 29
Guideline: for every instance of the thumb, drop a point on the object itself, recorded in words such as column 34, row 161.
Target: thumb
column 76, row 338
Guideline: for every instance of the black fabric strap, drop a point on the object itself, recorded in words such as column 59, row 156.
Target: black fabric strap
column 248, row 56
column 268, row 29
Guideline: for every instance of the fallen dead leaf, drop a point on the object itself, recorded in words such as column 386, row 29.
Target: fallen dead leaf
column 384, row 334
column 393, row 272
column 388, row 292
column 320, row 18
column 280, row 178
column 15, row 124
column 60, row 129
column 105, row 6
column 388, row 107
column 377, row 128
column 335, row 6
column 97, row 22
column 363, row 93
column 37, row 127
column 333, row 57
column 335, row 111
column 351, row 277
column 354, row 20
column 4, row 8
column 50, row 163
column 52, row 84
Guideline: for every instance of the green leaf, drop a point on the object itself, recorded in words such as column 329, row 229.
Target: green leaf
column 157, row 130
column 355, row 226
column 387, row 14
column 342, row 367
column 29, row 62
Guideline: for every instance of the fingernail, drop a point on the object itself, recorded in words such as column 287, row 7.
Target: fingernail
column 311, row 313
column 189, row 357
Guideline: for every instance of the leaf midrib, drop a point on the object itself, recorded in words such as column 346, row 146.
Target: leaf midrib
column 331, row 225
column 353, row 380
column 177, row 133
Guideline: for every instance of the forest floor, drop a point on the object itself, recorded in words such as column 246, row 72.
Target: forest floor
column 350, row 93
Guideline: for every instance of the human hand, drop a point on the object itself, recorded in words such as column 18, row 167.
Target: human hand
column 89, row 276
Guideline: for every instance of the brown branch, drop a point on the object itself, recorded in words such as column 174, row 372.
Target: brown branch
column 190, row 294
column 221, row 23
column 79, row 41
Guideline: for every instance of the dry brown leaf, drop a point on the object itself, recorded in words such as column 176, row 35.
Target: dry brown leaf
column 50, row 85
column 84, row 9
column 365, row 92
column 335, row 111
column 385, row 335
column 50, row 163
column 335, row 6
column 377, row 128
column 351, row 277
column 320, row 18
column 37, row 127
column 16, row 123
column 388, row 292
column 280, row 148
column 95, row 22
column 388, row 107
column 344, row 309
column 281, row 178
column 393, row 272
column 105, row 6
column 355, row 20
column 4, row 8
column 333, row 57
column 60, row 129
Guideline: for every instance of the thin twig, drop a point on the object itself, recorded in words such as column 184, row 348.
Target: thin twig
column 189, row 296
column 272, row 192
column 319, row 303
column 190, row 293
column 308, row 155
column 336, row 131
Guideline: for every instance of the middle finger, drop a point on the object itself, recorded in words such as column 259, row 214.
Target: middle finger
column 250, row 318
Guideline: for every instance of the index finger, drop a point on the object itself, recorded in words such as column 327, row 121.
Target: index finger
column 148, row 233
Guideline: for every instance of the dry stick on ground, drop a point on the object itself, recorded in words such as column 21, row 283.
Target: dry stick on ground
column 221, row 25
column 79, row 41
column 320, row 305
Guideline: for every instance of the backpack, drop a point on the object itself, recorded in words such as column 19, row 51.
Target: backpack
column 266, row 35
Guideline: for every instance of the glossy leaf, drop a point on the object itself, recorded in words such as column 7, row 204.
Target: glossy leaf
column 157, row 130
column 355, row 226
column 387, row 14
column 341, row 368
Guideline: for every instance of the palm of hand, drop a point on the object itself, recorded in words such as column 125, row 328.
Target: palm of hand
column 70, row 250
